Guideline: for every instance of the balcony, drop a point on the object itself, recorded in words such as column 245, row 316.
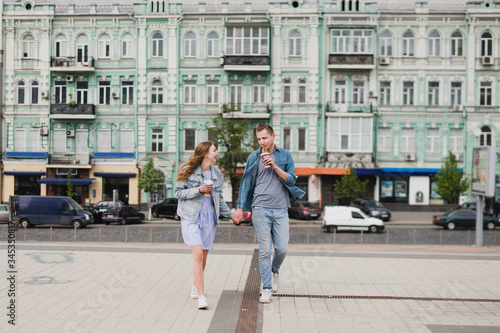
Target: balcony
column 247, row 63
column 66, row 111
column 351, row 61
column 71, row 65
column 343, row 160
column 70, row 159
column 246, row 111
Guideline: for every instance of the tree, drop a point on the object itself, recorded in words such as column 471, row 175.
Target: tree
column 150, row 180
column 450, row 181
column 350, row 187
column 70, row 192
column 231, row 134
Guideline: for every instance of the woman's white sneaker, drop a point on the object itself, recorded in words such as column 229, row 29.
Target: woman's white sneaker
column 202, row 302
column 266, row 296
column 275, row 283
column 194, row 292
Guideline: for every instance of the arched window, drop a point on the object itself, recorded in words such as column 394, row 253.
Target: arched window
column 82, row 49
column 213, row 45
column 157, row 92
column 28, row 46
column 104, row 46
column 127, row 46
column 486, row 44
column 61, row 46
column 485, row 136
column 21, row 92
column 385, row 44
column 434, row 44
column 457, row 44
column 295, row 44
column 157, row 45
column 190, row 45
column 34, row 92
column 408, row 44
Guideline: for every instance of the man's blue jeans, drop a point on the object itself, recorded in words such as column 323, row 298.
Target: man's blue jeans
column 272, row 228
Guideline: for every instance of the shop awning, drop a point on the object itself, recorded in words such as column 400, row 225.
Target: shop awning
column 27, row 154
column 24, row 173
column 115, row 174
column 64, row 181
column 113, row 155
column 406, row 172
column 369, row 172
column 307, row 171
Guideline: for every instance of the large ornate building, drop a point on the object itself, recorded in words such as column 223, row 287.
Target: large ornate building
column 388, row 87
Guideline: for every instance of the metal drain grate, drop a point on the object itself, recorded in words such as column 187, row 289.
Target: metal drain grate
column 401, row 298
column 247, row 321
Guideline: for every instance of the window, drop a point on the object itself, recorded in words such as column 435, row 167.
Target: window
column 126, row 140
column 189, row 139
column 433, row 96
column 358, row 92
column 20, row 139
column 212, row 137
column 157, row 92
column 104, row 92
column 434, row 44
column 457, row 44
column 408, row 92
column 353, row 134
column 287, row 91
column 82, row 49
column 432, row 140
column 385, row 44
column 212, row 91
column 127, row 46
column 190, row 92
column 213, row 45
column 408, row 140
column 247, row 41
column 190, row 45
column 235, row 93
column 259, row 91
column 104, row 140
column 127, row 92
column 157, row 45
column 28, row 46
column 456, row 140
column 485, row 94
column 21, row 92
column 157, row 140
column 351, row 41
column 34, row 92
column 295, row 44
column 60, row 92
column 104, row 47
column 302, row 139
column 385, row 93
column 486, row 44
column 61, row 46
column 59, row 140
column 302, row 91
column 408, row 44
column 384, row 140
column 356, row 215
column 456, row 93
column 340, row 88
column 485, row 136
column 82, row 92
column 286, row 138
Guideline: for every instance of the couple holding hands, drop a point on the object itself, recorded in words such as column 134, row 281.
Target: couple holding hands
column 267, row 189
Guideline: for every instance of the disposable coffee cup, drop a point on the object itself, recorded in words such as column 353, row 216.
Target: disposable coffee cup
column 208, row 182
column 264, row 154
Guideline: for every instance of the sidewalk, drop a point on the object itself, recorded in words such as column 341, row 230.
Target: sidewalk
column 324, row 288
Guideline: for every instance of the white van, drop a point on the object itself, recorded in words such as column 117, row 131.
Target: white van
column 349, row 218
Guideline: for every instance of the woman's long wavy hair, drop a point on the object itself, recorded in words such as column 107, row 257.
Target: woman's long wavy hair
column 187, row 169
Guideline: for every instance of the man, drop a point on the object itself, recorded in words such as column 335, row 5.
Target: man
column 268, row 192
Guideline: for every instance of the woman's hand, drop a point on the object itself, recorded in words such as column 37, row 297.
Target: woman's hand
column 205, row 188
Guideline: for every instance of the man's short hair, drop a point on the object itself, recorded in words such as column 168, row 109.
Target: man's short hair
column 261, row 127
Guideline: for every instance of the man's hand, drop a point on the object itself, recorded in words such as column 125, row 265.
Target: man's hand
column 237, row 216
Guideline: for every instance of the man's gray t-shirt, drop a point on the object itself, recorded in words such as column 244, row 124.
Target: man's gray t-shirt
column 269, row 191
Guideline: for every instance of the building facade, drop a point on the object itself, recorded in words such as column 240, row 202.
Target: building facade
column 100, row 89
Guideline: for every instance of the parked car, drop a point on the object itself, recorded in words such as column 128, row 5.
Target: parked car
column 4, row 213
column 102, row 206
column 31, row 210
column 373, row 208
column 167, row 207
column 465, row 218
column 95, row 213
column 472, row 205
column 349, row 218
column 122, row 215
column 304, row 210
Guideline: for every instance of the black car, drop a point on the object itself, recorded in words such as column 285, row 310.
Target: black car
column 372, row 208
column 465, row 218
column 167, row 207
column 472, row 205
column 122, row 215
column 304, row 210
column 95, row 213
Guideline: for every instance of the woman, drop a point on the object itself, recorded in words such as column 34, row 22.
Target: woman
column 199, row 207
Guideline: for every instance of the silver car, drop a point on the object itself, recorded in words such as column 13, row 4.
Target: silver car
column 4, row 213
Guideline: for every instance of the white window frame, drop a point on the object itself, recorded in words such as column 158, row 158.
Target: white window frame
column 104, row 140
column 287, row 141
column 302, row 90
column 190, row 45
column 127, row 46
column 457, row 44
column 126, row 140
column 127, row 93
column 213, row 88
column 20, row 139
column 259, row 91
column 386, row 47
column 295, row 47
column 384, row 139
column 433, row 93
column 236, row 95
column 157, row 96
column 287, row 92
column 247, row 40
column 340, row 92
column 59, row 141
column 105, row 47
column 487, row 46
column 434, row 44
column 60, row 91
column 189, row 92
column 157, row 143
column 157, row 45
column 341, row 129
column 408, row 44
column 21, row 93
column 432, row 140
column 485, row 93
column 213, row 45
column 304, row 133
column 385, row 92
column 486, row 136
column 29, row 47
column 456, row 140
column 359, row 41
column 104, row 92
column 35, row 93
column 408, row 93
column 408, row 140
column 190, row 130
column 82, row 94
column 34, row 140
column 456, row 94
column 358, row 92
column 61, row 46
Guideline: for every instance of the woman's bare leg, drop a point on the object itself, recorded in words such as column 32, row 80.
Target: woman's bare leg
column 198, row 268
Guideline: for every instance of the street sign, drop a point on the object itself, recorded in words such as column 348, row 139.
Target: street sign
column 483, row 171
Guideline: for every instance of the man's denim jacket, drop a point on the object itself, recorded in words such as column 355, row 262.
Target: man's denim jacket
column 284, row 160
column 190, row 198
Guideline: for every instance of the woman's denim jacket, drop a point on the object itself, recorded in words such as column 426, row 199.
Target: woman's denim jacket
column 190, row 198
column 284, row 160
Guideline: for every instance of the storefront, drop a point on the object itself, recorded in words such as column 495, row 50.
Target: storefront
column 115, row 181
column 26, row 182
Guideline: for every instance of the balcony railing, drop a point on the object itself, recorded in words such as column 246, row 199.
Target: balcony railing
column 69, row 158
column 246, row 62
column 357, row 61
column 69, row 111
column 71, row 64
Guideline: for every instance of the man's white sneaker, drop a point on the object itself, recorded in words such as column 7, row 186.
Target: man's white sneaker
column 266, row 296
column 275, row 283
column 202, row 302
column 194, row 292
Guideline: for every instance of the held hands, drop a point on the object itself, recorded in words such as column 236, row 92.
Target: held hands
column 205, row 188
column 237, row 216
